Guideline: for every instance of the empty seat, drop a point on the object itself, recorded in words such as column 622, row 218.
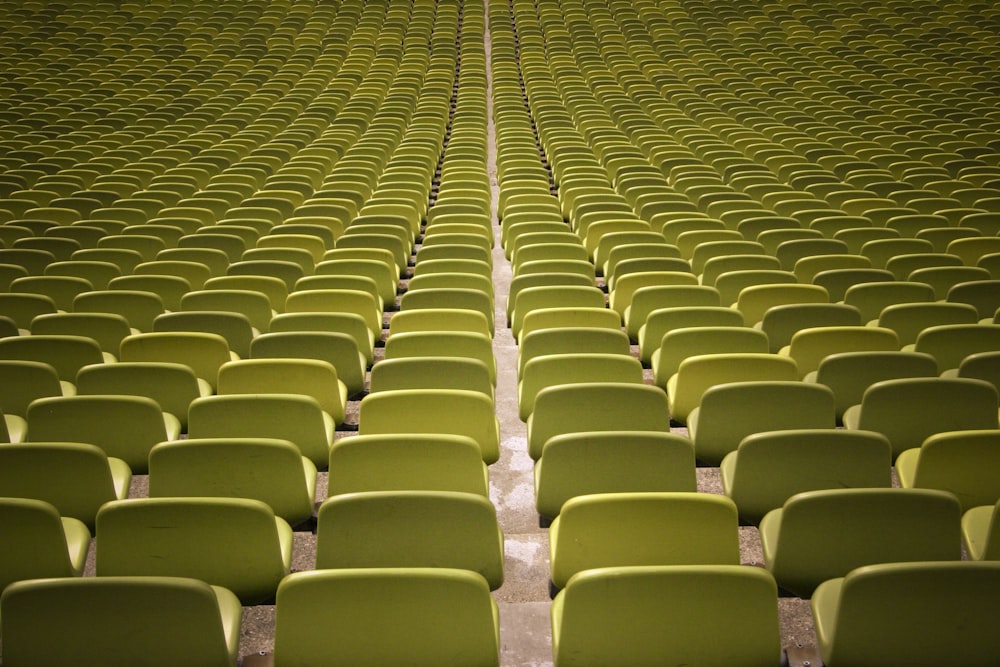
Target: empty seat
column 199, row 544
column 595, row 406
column 820, row 535
column 169, row 621
column 755, row 301
column 598, row 462
column 909, row 319
column 680, row 344
column 309, row 377
column 959, row 461
column 635, row 529
column 338, row 349
column 388, row 529
column 266, row 469
column 809, row 347
column 41, row 544
column 849, row 374
column 729, row 412
column 950, row 344
column 172, row 386
column 981, row 532
column 417, row 616
column 432, row 372
column 76, row 478
column 407, row 462
column 871, row 298
column 461, row 344
column 203, row 353
column 455, row 411
column 549, row 370
column 769, row 467
column 65, row 354
column 896, row 614
column 983, row 294
column 697, row 374
column 910, row 410
column 125, row 427
column 680, row 614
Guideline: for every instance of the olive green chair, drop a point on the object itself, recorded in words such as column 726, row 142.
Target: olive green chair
column 455, row 411
column 157, row 621
column 64, row 353
column 631, row 529
column 680, row 344
column 442, row 343
column 949, row 344
column 411, row 529
column 308, row 377
column 407, row 462
column 422, row 617
column 849, row 374
column 560, row 369
column 598, row 462
column 439, row 319
column 25, row 381
column 125, row 427
column 570, row 317
column 570, row 339
column 338, row 349
column 697, row 374
column 823, row 534
column 294, row 417
column 961, row 462
column 755, row 301
column 981, row 532
column 921, row 614
column 909, row 410
column 667, row 614
column 40, row 543
column 203, row 534
column 595, row 406
column 350, row 324
column 204, row 353
column 437, row 372
column 809, row 347
column 266, row 469
column 731, row 411
column 173, row 386
column 909, row 319
column 76, row 478
column 769, row 467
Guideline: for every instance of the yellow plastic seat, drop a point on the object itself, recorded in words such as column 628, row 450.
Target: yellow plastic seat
column 857, row 527
column 46, row 545
column 957, row 461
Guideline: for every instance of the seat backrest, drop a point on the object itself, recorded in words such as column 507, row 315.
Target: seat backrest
column 199, row 544
column 172, row 386
column 909, row 319
column 294, row 417
column 338, row 300
column 849, row 374
column 581, row 463
column 549, row 370
column 755, row 301
column 720, row 614
column 595, row 406
column 461, row 344
column 909, row 410
column 871, row 298
column 439, row 319
column 454, row 411
column 432, row 372
column 23, row 382
column 771, row 466
column 254, row 305
column 959, row 462
column 407, row 462
column 809, row 347
column 820, row 535
column 64, row 353
column 729, row 412
column 894, row 614
column 203, row 352
column 138, row 307
column 125, row 427
column 630, row 529
column 680, row 344
column 348, row 323
column 980, row 293
column 76, row 478
column 950, row 344
column 37, row 546
column 697, row 374
column 170, row 621
column 981, row 532
column 309, row 377
column 982, row 366
column 266, row 469
column 338, row 349
column 570, row 317
column 422, row 617
column 411, row 529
